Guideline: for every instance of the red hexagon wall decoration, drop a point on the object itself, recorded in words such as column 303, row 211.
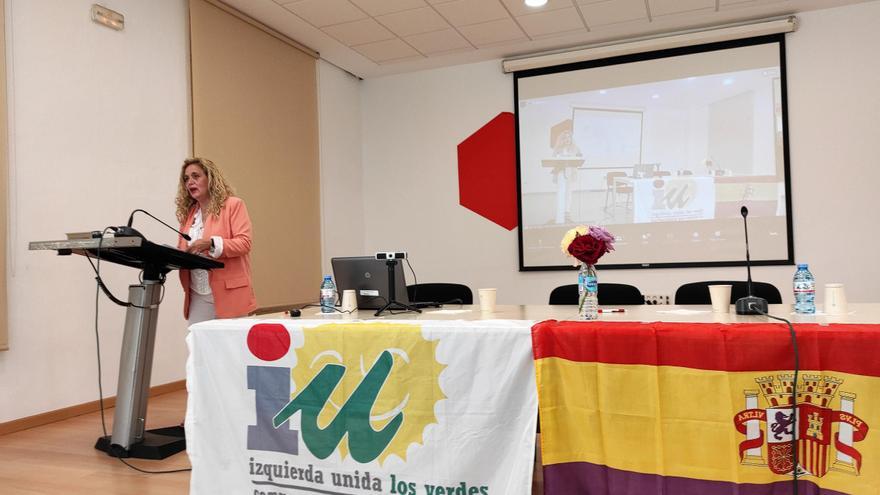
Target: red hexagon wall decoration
column 487, row 171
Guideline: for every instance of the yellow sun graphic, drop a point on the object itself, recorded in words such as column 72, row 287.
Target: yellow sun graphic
column 412, row 387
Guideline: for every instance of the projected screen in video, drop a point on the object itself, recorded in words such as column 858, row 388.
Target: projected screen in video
column 663, row 151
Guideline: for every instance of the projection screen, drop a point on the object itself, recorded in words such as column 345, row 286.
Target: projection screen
column 661, row 148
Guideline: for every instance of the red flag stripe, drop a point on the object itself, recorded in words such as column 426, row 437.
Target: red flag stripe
column 721, row 347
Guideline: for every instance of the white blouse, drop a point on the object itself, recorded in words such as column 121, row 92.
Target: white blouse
column 198, row 278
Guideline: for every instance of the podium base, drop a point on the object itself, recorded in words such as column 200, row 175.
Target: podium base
column 157, row 444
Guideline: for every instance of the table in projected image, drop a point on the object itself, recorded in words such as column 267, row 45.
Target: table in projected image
column 668, row 198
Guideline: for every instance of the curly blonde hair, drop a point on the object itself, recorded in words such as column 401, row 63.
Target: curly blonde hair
column 218, row 188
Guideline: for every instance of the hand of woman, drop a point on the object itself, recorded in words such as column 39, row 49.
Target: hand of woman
column 199, row 246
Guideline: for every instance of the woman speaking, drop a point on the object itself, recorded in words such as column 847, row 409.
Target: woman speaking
column 219, row 226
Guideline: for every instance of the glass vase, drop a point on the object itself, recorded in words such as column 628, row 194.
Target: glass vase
column 588, row 293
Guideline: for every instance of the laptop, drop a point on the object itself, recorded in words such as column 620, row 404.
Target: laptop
column 368, row 277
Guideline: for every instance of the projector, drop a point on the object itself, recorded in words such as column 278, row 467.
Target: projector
column 391, row 255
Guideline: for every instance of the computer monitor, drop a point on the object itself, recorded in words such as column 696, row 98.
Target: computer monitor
column 368, row 277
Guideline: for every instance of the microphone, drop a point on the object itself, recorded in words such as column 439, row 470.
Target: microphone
column 749, row 305
column 128, row 231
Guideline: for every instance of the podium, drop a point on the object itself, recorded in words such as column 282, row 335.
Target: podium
column 129, row 438
column 560, row 165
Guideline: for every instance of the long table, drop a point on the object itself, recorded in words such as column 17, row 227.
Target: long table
column 659, row 399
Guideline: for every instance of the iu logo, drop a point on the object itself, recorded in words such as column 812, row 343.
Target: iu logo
column 818, row 449
column 672, row 194
column 348, row 390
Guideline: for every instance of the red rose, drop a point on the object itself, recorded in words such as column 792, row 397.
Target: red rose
column 587, row 249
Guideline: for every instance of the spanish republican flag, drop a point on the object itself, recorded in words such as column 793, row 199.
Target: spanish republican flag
column 705, row 409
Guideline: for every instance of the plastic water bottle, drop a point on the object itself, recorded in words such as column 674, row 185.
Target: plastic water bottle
column 588, row 293
column 328, row 295
column 804, row 290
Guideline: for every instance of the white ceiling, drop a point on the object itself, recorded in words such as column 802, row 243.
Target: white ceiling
column 372, row 38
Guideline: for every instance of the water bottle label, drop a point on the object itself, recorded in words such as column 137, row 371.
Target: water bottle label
column 327, row 293
column 591, row 284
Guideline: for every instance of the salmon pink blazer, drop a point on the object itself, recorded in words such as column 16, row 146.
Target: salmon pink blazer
column 231, row 285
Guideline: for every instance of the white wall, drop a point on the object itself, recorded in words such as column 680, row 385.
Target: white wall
column 99, row 125
column 413, row 122
column 342, row 199
column 411, row 127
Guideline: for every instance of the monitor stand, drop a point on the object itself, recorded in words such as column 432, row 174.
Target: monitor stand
column 393, row 303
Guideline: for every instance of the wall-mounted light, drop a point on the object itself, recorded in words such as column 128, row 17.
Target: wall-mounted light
column 107, row 17
column 662, row 42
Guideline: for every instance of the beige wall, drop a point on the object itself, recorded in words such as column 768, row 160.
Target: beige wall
column 4, row 155
column 255, row 114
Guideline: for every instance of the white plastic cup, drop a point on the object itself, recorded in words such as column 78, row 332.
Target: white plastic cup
column 487, row 300
column 720, row 295
column 835, row 299
column 349, row 300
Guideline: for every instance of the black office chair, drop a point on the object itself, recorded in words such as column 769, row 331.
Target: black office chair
column 698, row 292
column 440, row 293
column 609, row 294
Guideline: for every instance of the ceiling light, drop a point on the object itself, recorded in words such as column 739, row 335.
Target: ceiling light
column 536, row 3
column 106, row 17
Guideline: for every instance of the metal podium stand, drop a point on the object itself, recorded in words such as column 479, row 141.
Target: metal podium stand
column 129, row 438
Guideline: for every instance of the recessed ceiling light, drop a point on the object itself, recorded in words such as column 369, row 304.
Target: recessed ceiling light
column 536, row 3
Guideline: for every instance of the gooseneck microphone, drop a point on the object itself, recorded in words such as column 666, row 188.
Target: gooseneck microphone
column 752, row 305
column 749, row 305
column 128, row 231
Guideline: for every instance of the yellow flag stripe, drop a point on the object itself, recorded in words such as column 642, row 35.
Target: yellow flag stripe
column 673, row 421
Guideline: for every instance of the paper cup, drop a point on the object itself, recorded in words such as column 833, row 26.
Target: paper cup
column 720, row 295
column 487, row 300
column 349, row 300
column 835, row 299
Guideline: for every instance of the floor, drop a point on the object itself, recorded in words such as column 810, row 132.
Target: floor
column 61, row 458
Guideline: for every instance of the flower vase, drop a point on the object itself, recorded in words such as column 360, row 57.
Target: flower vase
column 588, row 293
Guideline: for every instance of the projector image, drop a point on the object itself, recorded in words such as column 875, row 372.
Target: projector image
column 391, row 255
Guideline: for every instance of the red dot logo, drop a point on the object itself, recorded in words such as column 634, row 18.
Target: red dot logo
column 268, row 341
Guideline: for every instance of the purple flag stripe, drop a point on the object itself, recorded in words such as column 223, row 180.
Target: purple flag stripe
column 583, row 478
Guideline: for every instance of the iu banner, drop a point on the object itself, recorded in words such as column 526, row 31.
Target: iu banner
column 432, row 408
column 679, row 408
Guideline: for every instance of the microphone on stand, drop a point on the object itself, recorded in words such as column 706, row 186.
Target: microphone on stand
column 126, row 230
column 749, row 305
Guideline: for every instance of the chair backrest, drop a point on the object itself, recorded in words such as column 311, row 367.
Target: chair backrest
column 440, row 293
column 609, row 294
column 609, row 177
column 698, row 292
